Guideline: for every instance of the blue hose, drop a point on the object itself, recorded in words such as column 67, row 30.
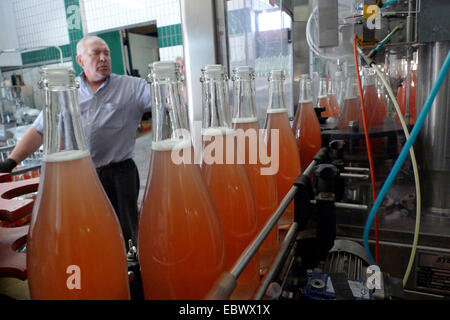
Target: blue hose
column 404, row 153
column 388, row 3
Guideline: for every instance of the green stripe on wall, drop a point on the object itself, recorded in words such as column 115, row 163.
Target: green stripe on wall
column 47, row 54
column 169, row 36
column 75, row 29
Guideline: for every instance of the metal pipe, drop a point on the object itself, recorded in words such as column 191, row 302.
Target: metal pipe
column 245, row 258
column 356, row 169
column 345, row 205
column 226, row 285
column 355, row 176
column 309, row 168
column 290, row 236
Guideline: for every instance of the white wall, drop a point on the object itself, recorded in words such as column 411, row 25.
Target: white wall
column 171, row 53
column 8, row 35
column 102, row 15
column 41, row 23
column 144, row 50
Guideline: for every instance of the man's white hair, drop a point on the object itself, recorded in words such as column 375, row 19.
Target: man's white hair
column 81, row 44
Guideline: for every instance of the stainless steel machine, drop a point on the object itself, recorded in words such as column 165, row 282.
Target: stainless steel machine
column 324, row 246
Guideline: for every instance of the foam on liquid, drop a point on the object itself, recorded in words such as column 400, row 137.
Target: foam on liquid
column 280, row 110
column 217, row 131
column 171, row 144
column 245, row 120
column 66, row 155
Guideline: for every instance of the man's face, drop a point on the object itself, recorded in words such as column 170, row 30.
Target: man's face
column 95, row 61
column 181, row 63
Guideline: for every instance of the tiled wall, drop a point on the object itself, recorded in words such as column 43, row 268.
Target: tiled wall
column 104, row 15
column 41, row 23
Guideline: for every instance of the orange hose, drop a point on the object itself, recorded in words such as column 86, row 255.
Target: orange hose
column 369, row 149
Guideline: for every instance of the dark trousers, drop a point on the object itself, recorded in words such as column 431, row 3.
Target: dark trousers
column 121, row 183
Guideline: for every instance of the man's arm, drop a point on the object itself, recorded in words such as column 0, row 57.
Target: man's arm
column 30, row 142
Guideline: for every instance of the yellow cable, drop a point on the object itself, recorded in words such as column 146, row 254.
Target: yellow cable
column 414, row 164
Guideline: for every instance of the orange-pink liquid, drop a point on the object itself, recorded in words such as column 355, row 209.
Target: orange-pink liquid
column 289, row 160
column 351, row 111
column 375, row 114
column 307, row 133
column 231, row 191
column 265, row 193
column 181, row 247
column 74, row 224
column 401, row 97
column 375, row 110
column 324, row 102
column 334, row 105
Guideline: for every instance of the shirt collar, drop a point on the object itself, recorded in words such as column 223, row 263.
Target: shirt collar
column 85, row 84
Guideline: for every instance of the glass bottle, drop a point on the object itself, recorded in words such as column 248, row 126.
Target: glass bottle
column 227, row 180
column 351, row 110
column 264, row 186
column 323, row 101
column 334, row 86
column 306, row 126
column 289, row 159
column 181, row 247
column 75, row 245
column 401, row 97
column 375, row 109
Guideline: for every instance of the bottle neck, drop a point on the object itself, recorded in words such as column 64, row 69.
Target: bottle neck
column 305, row 91
column 63, row 131
column 276, row 96
column 369, row 78
column 323, row 88
column 243, row 101
column 351, row 87
column 216, row 109
column 169, row 114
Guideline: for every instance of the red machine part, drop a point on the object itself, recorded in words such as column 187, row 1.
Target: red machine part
column 13, row 263
column 14, row 209
column 14, row 213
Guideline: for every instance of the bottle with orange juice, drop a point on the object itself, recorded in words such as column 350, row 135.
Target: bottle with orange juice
column 323, row 100
column 351, row 109
column 227, row 180
column 75, row 247
column 306, row 126
column 375, row 109
column 289, row 158
column 181, row 244
column 247, row 132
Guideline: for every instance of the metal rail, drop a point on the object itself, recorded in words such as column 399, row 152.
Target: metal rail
column 290, row 237
column 228, row 280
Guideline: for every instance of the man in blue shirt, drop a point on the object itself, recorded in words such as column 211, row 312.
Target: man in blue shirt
column 111, row 107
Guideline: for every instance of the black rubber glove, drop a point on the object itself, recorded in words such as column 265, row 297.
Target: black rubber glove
column 7, row 166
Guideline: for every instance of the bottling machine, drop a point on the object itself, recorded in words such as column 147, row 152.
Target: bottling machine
column 324, row 253
column 327, row 252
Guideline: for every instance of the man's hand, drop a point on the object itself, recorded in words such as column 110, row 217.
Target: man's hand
column 7, row 166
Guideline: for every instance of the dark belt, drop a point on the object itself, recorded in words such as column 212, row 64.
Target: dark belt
column 114, row 164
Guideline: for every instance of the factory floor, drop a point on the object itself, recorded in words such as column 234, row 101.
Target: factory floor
column 12, row 288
